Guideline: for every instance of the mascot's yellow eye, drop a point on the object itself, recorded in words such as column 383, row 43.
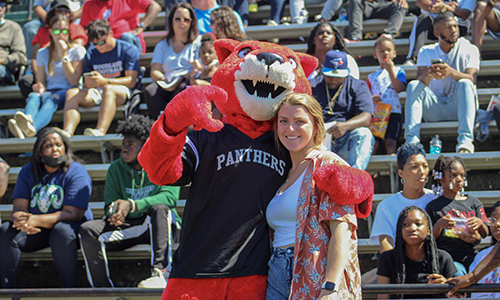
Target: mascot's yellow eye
column 244, row 52
column 293, row 63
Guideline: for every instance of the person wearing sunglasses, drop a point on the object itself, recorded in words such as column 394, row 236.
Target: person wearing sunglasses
column 41, row 39
column 171, row 68
column 110, row 67
column 123, row 17
column 59, row 68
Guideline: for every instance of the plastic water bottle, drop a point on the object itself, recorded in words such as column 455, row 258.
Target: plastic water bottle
column 303, row 16
column 342, row 14
column 435, row 145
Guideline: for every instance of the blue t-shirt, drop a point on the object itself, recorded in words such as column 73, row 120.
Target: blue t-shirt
column 123, row 57
column 354, row 98
column 203, row 17
column 55, row 190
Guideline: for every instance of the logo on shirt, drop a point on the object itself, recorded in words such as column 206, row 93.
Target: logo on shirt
column 139, row 193
column 251, row 156
column 45, row 196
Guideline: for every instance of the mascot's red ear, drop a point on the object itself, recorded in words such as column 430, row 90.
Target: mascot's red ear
column 224, row 48
column 308, row 62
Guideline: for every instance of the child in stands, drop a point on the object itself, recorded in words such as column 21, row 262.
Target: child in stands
column 207, row 63
column 415, row 257
column 385, row 85
column 459, row 220
column 493, row 277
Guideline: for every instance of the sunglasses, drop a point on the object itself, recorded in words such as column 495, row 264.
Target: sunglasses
column 99, row 43
column 59, row 31
column 184, row 20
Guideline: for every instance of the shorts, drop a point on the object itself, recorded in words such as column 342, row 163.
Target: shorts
column 394, row 127
column 495, row 35
column 96, row 93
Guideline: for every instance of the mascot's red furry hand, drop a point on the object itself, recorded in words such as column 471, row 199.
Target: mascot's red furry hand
column 254, row 77
column 346, row 185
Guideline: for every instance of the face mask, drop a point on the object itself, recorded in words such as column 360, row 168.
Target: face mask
column 53, row 162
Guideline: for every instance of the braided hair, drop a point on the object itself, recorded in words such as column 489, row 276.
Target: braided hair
column 431, row 256
column 444, row 163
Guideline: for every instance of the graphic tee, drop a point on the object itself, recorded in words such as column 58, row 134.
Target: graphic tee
column 123, row 57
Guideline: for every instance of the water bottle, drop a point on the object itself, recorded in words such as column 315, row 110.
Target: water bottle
column 253, row 6
column 435, row 145
column 303, row 16
column 342, row 14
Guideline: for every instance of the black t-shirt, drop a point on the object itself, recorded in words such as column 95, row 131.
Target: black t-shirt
column 233, row 178
column 416, row 272
column 459, row 250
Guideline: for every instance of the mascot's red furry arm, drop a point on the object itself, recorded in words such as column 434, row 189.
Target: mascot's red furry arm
column 346, row 185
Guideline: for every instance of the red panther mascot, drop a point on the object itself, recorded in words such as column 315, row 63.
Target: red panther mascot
column 233, row 167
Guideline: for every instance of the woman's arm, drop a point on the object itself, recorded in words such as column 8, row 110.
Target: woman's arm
column 157, row 72
column 337, row 254
column 383, row 280
column 41, row 78
column 67, row 214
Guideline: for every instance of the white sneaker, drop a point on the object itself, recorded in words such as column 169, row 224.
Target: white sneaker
column 15, row 130
column 156, row 281
column 25, row 123
column 92, row 132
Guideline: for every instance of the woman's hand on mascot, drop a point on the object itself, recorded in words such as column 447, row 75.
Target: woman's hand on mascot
column 193, row 106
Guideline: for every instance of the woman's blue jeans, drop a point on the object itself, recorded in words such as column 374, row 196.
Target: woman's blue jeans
column 42, row 107
column 280, row 274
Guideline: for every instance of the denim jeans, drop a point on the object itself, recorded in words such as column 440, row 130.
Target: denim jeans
column 50, row 104
column 355, row 147
column 280, row 274
column 133, row 39
column 422, row 102
column 330, row 9
column 62, row 239
column 29, row 31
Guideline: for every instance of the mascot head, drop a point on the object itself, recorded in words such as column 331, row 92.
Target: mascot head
column 257, row 76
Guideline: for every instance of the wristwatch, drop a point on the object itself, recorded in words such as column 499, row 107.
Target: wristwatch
column 328, row 285
column 141, row 25
column 65, row 59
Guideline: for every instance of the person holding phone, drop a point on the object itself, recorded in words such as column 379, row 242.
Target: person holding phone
column 59, row 68
column 111, row 68
column 171, row 68
column 445, row 87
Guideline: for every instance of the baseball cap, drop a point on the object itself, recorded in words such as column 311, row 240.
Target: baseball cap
column 335, row 64
column 59, row 3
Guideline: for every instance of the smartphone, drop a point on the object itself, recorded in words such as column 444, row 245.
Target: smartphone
column 88, row 74
column 437, row 61
column 113, row 208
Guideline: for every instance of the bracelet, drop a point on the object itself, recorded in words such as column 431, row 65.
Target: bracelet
column 443, row 10
column 132, row 205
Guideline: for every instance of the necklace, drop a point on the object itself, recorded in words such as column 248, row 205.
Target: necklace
column 331, row 101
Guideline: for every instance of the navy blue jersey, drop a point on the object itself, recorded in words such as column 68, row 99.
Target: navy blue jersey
column 233, row 178
column 123, row 57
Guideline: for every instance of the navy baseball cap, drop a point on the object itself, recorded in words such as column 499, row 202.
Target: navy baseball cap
column 335, row 64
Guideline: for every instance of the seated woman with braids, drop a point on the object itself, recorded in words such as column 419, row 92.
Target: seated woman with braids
column 415, row 257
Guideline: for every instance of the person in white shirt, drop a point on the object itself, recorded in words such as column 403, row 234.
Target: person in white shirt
column 414, row 171
column 445, row 88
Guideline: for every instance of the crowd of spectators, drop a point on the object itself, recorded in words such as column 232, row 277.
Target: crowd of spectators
column 85, row 55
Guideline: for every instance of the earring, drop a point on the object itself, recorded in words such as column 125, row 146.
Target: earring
column 451, row 185
column 402, row 181
column 466, row 183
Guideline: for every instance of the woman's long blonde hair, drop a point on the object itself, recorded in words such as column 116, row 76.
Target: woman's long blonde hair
column 312, row 106
column 55, row 19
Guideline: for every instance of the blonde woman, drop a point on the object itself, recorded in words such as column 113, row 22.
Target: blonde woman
column 59, row 68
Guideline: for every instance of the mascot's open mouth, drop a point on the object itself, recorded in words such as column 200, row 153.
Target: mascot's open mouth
column 262, row 89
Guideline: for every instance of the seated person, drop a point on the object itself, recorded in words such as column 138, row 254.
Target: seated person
column 60, row 67
column 359, row 10
column 486, row 17
column 459, row 220
column 4, row 177
column 445, row 86
column 347, row 110
column 171, row 67
column 414, row 171
column 492, row 277
column 50, row 200
column 203, row 9
column 12, row 48
column 40, row 10
column 415, row 257
column 423, row 29
column 123, row 17
column 41, row 39
column 110, row 69
column 385, row 85
column 224, row 24
column 137, row 212
column 207, row 62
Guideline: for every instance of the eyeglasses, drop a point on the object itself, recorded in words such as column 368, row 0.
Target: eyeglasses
column 183, row 20
column 100, row 43
column 59, row 31
column 493, row 221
